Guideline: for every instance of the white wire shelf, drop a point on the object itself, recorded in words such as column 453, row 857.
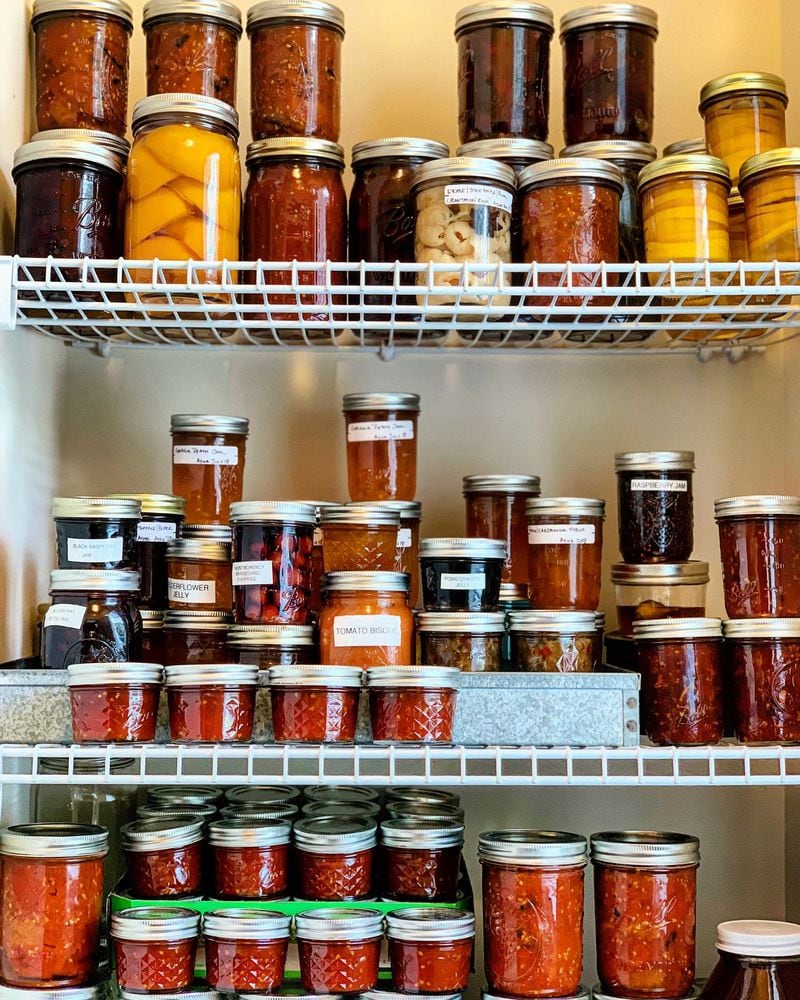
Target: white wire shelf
column 736, row 309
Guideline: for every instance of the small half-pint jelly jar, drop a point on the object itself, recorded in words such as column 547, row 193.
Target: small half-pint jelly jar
column 335, row 858
column 164, row 857
column 430, row 949
column 250, row 858
column 213, row 702
column 155, row 948
column 245, row 949
column 339, row 949
column 315, row 704
column 412, row 704
column 421, row 859
column 114, row 702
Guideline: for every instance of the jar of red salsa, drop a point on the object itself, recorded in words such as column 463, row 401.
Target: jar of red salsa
column 155, row 948
column 51, row 897
column 645, row 897
column 211, row 702
column 533, row 911
column 413, row 704
column 164, row 857
column 339, row 949
column 114, row 702
column 420, row 859
column 245, row 949
column 250, row 858
column 335, row 858
column 430, row 949
column 315, row 704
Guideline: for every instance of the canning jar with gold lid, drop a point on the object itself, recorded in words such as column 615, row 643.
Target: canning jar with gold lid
column 770, row 186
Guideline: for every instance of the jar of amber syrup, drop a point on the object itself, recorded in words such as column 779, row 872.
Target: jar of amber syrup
column 412, row 704
column 196, row 636
column 155, row 948
column 496, row 509
column 360, row 537
column 164, row 857
column 659, row 590
column 245, row 949
column 430, row 949
column 249, row 858
column 160, row 524
column 336, row 858
column 272, row 645
column 152, row 636
column 407, row 561
column 421, row 859
column 656, row 516
column 96, row 532
column 315, row 704
column 366, row 620
column 208, row 464
column 565, row 550
column 211, row 702
column 769, row 185
column 381, row 430
column 199, row 574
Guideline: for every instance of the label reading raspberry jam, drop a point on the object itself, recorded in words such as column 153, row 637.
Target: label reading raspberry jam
column 381, row 430
column 252, row 574
column 205, row 454
column 366, row 630
column 94, row 550
column 659, row 486
column 561, row 534
column 463, row 581
column 192, row 591
column 65, row 616
column 404, row 538
column 156, row 531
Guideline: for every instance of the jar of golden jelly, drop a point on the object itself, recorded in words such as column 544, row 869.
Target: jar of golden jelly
column 381, row 432
column 770, row 186
column 208, row 464
column 744, row 114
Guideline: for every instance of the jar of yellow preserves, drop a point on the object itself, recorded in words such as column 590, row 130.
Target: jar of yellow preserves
column 740, row 250
column 184, row 187
column 770, row 186
column 744, row 114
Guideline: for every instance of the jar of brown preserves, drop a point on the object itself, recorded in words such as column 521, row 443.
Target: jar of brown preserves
column 196, row 637
column 496, row 509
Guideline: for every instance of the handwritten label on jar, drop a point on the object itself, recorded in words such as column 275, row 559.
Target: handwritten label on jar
column 659, row 486
column 478, row 194
column 366, row 630
column 252, row 574
column 404, row 538
column 561, row 534
column 381, row 430
column 192, row 591
column 317, row 542
column 65, row 616
column 205, row 454
column 94, row 550
column 156, row 531
column 463, row 581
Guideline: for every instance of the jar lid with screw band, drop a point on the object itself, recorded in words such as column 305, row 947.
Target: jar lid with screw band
column 145, row 835
column 321, row 835
column 645, row 848
column 535, row 848
column 338, row 923
column 247, row 924
column 430, row 923
column 155, row 923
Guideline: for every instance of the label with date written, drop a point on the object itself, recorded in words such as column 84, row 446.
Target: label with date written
column 463, row 581
column 404, row 538
column 561, row 534
column 192, row 591
column 94, row 550
column 478, row 194
column 659, row 486
column 205, row 454
column 367, row 630
column 252, row 574
column 156, row 531
column 65, row 616
column 381, row 430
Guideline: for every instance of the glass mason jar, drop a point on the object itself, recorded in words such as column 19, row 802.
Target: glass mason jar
column 532, row 951
column 565, row 551
column 461, row 574
column 249, row 858
column 409, row 809
column 335, row 858
column 430, row 949
column 422, row 794
column 155, row 948
column 496, row 509
column 315, row 704
column 757, row 958
column 503, row 70
column 192, row 47
column 513, row 597
column 366, row 620
column 609, row 72
column 93, row 618
column 656, row 515
column 114, row 702
column 184, row 191
column 340, row 793
column 196, row 636
column 96, row 532
column 160, row 524
column 467, row 640
column 262, row 795
column 81, row 64
column 759, row 541
column 272, row 645
column 359, row 537
column 211, row 702
column 164, row 856
column 552, row 641
column 412, row 704
column 293, row 42
column 173, row 795
column 515, row 153
column 659, row 590
column 51, row 897
column 339, row 949
column 598, row 643
column 407, row 561
column 199, row 573
column 645, row 901
column 770, row 186
column 421, row 859
column 381, row 432
column 682, row 146
column 245, row 949
column 744, row 114
column 331, row 808
column 680, row 660
column 208, row 453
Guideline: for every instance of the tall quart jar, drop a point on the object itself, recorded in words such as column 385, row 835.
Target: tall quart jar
column 770, row 186
column 656, row 515
column 381, row 432
column 208, row 464
column 757, row 958
column 496, row 509
column 565, row 550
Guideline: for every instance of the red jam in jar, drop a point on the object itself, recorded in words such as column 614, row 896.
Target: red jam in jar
column 421, row 859
column 211, row 702
column 250, row 858
column 533, row 911
column 335, row 858
column 645, row 898
column 339, row 949
column 412, row 704
column 430, row 949
column 164, row 857
column 315, row 704
column 114, row 702
column 245, row 949
column 155, row 948
column 51, row 896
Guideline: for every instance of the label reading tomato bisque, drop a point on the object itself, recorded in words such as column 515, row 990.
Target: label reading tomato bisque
column 404, row 538
column 659, row 486
column 252, row 574
column 94, row 550
column 381, row 430
column 463, row 581
column 478, row 194
column 205, row 454
column 367, row 630
column 64, row 616
column 192, row 591
column 156, row 531
column 561, row 534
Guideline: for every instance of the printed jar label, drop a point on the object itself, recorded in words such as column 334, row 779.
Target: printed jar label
column 156, row 531
column 404, row 538
column 463, row 581
column 381, row 430
column 205, row 454
column 366, row 630
column 659, row 486
column 252, row 574
column 192, row 591
column 478, row 194
column 94, row 550
column 65, row 616
column 561, row 534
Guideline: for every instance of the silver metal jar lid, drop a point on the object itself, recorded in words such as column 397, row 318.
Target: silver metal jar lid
column 167, row 504
column 566, row 507
column 462, row 548
column 678, row 628
column 626, row 150
column 272, row 510
column 645, row 848
column 501, row 484
column 474, row 169
column 295, row 147
column 208, row 532
column 610, row 13
column 199, row 549
column 244, row 832
column 277, row 810
column 341, row 793
column 660, row 574
column 197, row 621
column 113, row 142
column 422, row 793
column 54, row 840
column 537, row 848
column 198, row 811
column 428, row 834
column 405, row 401
column 511, row 148
column 155, row 923
column 150, row 109
column 100, row 580
column 288, row 992
column 219, row 10
column 152, row 620
column 759, row 938
column 183, row 793
column 196, row 993
column 258, row 636
column 110, row 8
column 654, row 461
column 183, row 674
column 398, row 148
column 358, row 582
column 580, row 169
column 363, row 514
column 734, row 84
column 600, row 620
column 683, row 165
column 467, row 622
column 382, row 994
column 208, row 423
column 247, row 924
column 315, row 675
column 295, row 10
column 335, row 835
column 409, row 510
column 333, row 809
column 414, row 676
column 761, row 628
column 111, row 674
column 430, row 923
column 144, row 835
column 338, row 924
column 514, row 593
column 682, row 146
column 597, row 993
column 111, row 508
column 262, row 795
column 582, row 994
column 437, row 811
column 95, row 992
column 536, row 15
column 556, row 622
column 767, row 505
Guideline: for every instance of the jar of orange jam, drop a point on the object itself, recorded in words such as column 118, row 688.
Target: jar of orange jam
column 208, row 464
column 359, row 537
column 199, row 574
column 381, row 445
column 565, row 550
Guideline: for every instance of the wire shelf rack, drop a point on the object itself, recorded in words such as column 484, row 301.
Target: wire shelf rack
column 686, row 308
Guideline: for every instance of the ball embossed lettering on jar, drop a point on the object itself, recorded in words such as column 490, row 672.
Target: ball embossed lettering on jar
column 249, row 858
column 211, row 702
column 565, row 550
column 412, row 704
column 421, row 859
column 245, row 949
column 496, row 509
column 155, row 948
column 339, row 949
column 164, row 857
column 471, row 641
column 656, row 518
column 461, row 574
column 430, row 949
column 335, row 858
column 315, row 704
column 114, row 703
column 381, row 430
column 208, row 453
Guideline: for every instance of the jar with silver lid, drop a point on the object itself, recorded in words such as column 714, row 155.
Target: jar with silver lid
column 196, row 811
column 430, row 949
column 495, row 508
column 208, row 459
column 659, row 590
column 96, row 532
column 421, row 859
column 422, row 793
column 160, row 524
column 196, row 637
column 366, row 620
column 336, row 858
column 315, row 703
column 114, row 143
column 410, row 513
column 339, row 949
column 199, row 574
column 409, row 704
column 514, row 152
column 211, row 702
column 410, row 809
column 262, row 795
column 272, row 645
column 683, row 146
column 340, row 793
column 552, row 641
column 152, row 636
column 471, row 641
column 655, row 509
column 360, row 537
column 381, row 429
column 249, row 858
column 565, row 552
column 164, row 857
column 174, row 794
column 461, row 574
column 332, row 809
column 155, row 948
column 114, row 702
column 245, row 949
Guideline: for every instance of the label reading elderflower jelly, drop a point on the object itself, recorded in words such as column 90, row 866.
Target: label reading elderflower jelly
column 192, row 591
column 381, row 430
column 367, row 630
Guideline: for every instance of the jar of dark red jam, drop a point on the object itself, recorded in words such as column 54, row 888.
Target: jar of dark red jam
column 430, row 949
column 332, row 809
column 213, row 702
column 759, row 540
column 532, row 950
column 659, row 590
column 250, row 858
column 164, row 857
column 155, row 948
column 315, row 704
column 339, row 949
column 645, row 900
column 565, row 551
column 412, row 704
column 160, row 524
column 152, row 636
column 208, row 453
column 381, row 430
column 656, row 518
column 757, row 958
column 461, row 574
column 471, row 641
column 262, row 795
column 245, row 949
column 335, row 858
column 114, row 702
column 680, row 660
column 266, row 646
column 51, row 896
column 496, row 509
column 96, row 532
column 421, row 859
column 196, row 636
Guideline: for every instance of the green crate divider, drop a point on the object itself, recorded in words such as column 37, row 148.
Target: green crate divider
column 290, row 907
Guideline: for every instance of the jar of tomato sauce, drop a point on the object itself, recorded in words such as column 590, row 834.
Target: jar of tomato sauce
column 421, row 859
column 164, row 857
column 645, row 897
column 565, row 551
column 496, row 509
column 339, row 949
column 381, row 430
column 51, row 897
column 155, row 948
column 208, row 464
column 250, row 858
column 315, row 703
column 410, row 704
column 532, row 951
column 211, row 701
column 114, row 702
column 335, row 858
column 245, row 949
column 430, row 949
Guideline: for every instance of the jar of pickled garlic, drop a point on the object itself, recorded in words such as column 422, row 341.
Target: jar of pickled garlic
column 756, row 958
column 152, row 644
column 659, row 590
column 609, row 72
column 184, row 193
column 211, row 702
column 410, row 512
column 366, row 620
column 96, row 532
column 565, row 550
column 162, row 515
column 532, row 951
column 155, row 948
column 272, row 645
column 744, row 114
column 770, row 185
column 199, row 574
column 339, row 949
column 645, row 901
column 51, row 898
column 208, row 453
column 421, row 859
column 315, row 704
column 164, row 856
column 381, row 431
column 471, row 641
column 560, row 642
column 196, row 636
column 461, row 574
column 412, row 704
column 295, row 69
column 336, row 858
column 656, row 516
column 192, row 48
column 430, row 949
column 496, row 509
column 114, row 702
column 360, row 536
column 245, row 949
column 503, row 70
column 81, row 64
column 249, row 858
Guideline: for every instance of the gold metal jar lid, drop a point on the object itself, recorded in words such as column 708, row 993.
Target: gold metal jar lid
column 398, row 148
column 758, row 505
column 151, row 109
column 613, row 149
column 108, row 8
column 697, row 145
column 218, row 10
column 263, row 13
column 296, row 147
column 456, row 169
column 155, row 503
column 683, row 165
column 535, row 15
column 602, row 14
column 571, row 169
column 115, row 143
column 91, row 508
column 743, row 83
column 774, row 159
